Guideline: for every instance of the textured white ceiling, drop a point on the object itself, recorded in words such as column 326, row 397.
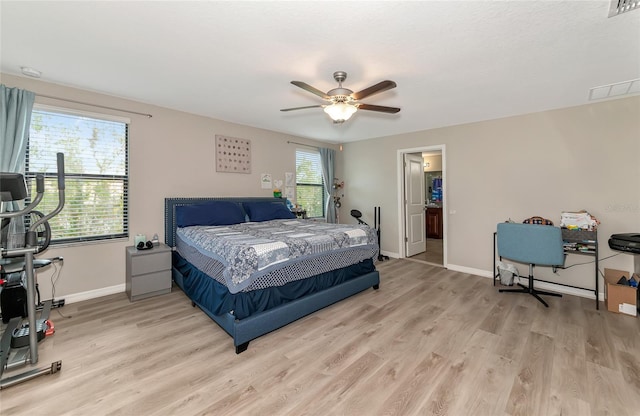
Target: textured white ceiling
column 454, row 61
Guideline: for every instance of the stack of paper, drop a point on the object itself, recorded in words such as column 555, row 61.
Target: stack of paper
column 580, row 220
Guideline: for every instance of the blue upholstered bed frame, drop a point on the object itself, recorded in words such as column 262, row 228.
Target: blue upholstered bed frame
column 244, row 330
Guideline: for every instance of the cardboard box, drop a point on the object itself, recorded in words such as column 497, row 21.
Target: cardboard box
column 616, row 295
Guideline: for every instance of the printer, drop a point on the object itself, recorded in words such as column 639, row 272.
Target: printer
column 629, row 243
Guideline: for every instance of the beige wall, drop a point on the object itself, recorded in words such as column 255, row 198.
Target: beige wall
column 585, row 157
column 171, row 154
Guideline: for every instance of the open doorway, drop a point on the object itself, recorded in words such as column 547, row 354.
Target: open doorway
column 433, row 232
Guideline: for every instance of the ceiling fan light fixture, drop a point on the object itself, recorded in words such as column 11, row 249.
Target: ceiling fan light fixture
column 342, row 103
column 340, row 112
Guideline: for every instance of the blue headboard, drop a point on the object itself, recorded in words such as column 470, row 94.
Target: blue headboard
column 170, row 205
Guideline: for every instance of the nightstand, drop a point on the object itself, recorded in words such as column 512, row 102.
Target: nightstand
column 148, row 272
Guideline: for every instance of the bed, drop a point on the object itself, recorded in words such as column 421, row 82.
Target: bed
column 253, row 267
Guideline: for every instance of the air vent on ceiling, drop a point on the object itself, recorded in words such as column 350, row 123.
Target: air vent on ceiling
column 623, row 6
column 615, row 90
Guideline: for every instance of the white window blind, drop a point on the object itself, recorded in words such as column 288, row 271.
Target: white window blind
column 96, row 173
column 309, row 184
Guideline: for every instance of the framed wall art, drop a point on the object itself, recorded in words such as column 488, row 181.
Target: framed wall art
column 233, row 154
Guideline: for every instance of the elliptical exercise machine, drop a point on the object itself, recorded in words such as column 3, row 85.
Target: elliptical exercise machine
column 17, row 260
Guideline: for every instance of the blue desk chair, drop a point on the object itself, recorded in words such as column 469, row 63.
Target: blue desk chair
column 535, row 245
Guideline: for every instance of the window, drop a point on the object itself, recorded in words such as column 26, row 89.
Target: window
column 96, row 172
column 309, row 184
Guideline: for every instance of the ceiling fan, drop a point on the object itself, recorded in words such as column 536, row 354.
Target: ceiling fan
column 343, row 102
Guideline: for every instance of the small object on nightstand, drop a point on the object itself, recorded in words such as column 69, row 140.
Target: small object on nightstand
column 139, row 238
column 144, row 246
column 300, row 213
column 155, row 240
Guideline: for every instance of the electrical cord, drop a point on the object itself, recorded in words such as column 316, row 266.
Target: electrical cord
column 54, row 279
column 555, row 269
column 592, row 261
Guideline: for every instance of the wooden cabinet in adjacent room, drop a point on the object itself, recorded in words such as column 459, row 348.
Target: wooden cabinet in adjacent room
column 434, row 223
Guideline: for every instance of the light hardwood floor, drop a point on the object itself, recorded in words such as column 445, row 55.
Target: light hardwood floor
column 434, row 253
column 429, row 342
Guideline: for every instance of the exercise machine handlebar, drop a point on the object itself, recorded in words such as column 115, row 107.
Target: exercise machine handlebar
column 31, row 235
column 60, row 171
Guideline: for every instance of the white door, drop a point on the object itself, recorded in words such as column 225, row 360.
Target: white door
column 414, row 191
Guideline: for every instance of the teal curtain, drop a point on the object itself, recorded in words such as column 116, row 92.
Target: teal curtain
column 15, row 118
column 327, row 159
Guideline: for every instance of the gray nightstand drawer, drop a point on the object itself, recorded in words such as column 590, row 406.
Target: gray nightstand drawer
column 151, row 283
column 152, row 262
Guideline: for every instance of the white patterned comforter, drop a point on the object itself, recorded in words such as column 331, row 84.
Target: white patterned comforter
column 250, row 250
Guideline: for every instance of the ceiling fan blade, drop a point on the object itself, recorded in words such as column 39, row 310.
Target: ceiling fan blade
column 311, row 89
column 300, row 108
column 374, row 89
column 380, row 108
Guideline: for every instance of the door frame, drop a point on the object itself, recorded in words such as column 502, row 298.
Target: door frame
column 400, row 187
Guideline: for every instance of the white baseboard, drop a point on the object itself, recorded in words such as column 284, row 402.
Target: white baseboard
column 566, row 290
column 540, row 285
column 469, row 270
column 92, row 294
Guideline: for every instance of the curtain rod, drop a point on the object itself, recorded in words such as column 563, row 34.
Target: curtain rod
column 95, row 105
column 308, row 145
column 302, row 144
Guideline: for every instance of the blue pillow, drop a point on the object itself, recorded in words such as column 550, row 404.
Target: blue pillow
column 209, row 213
column 265, row 211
